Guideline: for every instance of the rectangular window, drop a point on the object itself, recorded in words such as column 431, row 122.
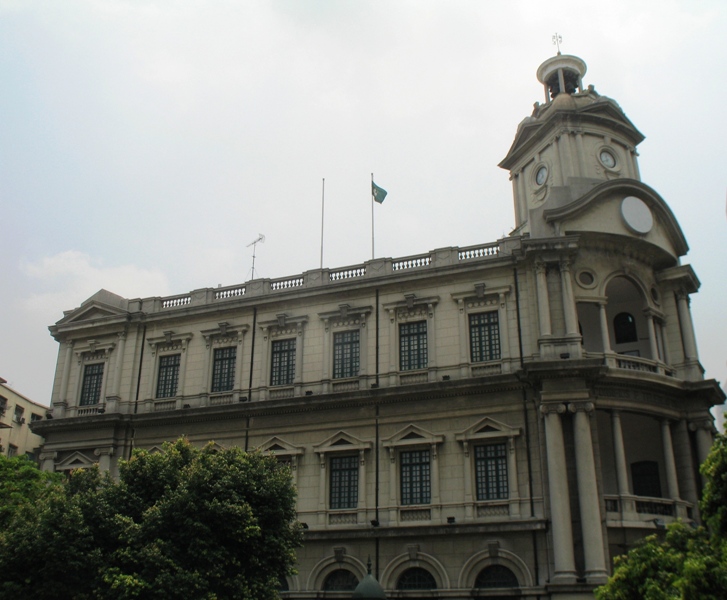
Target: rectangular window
column 344, row 481
column 12, row 450
column 18, row 415
column 345, row 354
column 415, row 477
column 413, row 346
column 484, row 337
column 283, row 367
column 91, row 388
column 491, row 472
column 223, row 369
column 168, row 375
column 3, row 404
column 35, row 417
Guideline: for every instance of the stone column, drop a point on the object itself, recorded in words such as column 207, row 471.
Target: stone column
column 569, row 302
column 504, row 333
column 588, row 499
column 622, row 472
column 543, row 300
column 603, row 318
column 687, row 327
column 118, row 364
column 104, row 457
column 703, row 432
column 581, row 153
column 669, row 463
column 59, row 408
column 463, row 337
column 562, row 528
column 653, row 347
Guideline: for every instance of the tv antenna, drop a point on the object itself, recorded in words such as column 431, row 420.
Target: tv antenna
column 260, row 238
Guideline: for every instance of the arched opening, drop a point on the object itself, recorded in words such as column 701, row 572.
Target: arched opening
column 628, row 328
column 416, row 578
column 340, row 580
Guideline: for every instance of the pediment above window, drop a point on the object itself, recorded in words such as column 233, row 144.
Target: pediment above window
column 284, row 324
column 486, row 429
column 412, row 307
column 412, row 435
column 342, row 442
column 346, row 315
column 280, row 447
column 75, row 460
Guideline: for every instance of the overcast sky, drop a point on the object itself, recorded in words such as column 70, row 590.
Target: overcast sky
column 145, row 144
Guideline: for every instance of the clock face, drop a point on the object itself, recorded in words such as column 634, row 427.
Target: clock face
column 608, row 159
column 541, row 175
column 637, row 215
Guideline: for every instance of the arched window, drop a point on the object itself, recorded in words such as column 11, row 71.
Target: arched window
column 496, row 576
column 624, row 328
column 341, row 580
column 416, row 578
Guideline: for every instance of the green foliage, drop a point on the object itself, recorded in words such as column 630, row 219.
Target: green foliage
column 689, row 564
column 22, row 485
column 714, row 496
column 182, row 523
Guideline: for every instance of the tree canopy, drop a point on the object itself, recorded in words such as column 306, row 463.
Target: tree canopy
column 181, row 523
column 688, row 563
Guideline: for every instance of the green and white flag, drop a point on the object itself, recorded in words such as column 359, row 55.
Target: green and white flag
column 378, row 193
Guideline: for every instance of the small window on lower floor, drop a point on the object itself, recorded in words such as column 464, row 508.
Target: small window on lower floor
column 12, row 450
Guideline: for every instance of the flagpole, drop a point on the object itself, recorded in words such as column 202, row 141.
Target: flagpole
column 372, row 216
column 323, row 204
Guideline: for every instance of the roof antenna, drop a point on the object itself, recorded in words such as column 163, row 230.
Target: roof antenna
column 557, row 41
column 260, row 238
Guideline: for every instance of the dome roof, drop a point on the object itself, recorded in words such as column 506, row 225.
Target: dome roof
column 369, row 589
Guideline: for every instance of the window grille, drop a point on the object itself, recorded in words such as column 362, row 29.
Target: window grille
column 496, row 576
column 491, row 472
column 283, row 366
column 484, row 337
column 168, row 376
column 341, row 580
column 415, row 477
column 416, row 578
column 91, row 388
column 346, row 354
column 223, row 369
column 344, row 481
column 413, row 346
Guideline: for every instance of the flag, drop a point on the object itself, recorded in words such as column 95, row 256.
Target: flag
column 378, row 193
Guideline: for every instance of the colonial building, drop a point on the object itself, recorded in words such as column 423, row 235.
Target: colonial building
column 16, row 414
column 492, row 420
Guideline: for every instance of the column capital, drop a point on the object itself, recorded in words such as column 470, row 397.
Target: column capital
column 586, row 407
column 705, row 424
column 541, row 267
column 48, row 456
column 105, row 451
column 565, row 265
column 553, row 408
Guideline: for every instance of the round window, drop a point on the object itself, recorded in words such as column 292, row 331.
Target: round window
column 541, row 175
column 586, row 278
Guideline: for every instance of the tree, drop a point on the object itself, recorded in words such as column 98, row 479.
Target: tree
column 22, row 485
column 688, row 563
column 184, row 522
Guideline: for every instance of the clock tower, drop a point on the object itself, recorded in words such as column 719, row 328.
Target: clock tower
column 573, row 142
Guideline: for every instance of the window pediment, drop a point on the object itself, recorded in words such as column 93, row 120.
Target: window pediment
column 224, row 333
column 412, row 307
column 75, row 460
column 342, row 442
column 169, row 342
column 412, row 435
column 280, row 447
column 481, row 294
column 486, row 429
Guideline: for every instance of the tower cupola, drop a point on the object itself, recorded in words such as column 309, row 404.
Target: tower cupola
column 561, row 73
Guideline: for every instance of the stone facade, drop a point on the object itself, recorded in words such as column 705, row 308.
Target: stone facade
column 484, row 421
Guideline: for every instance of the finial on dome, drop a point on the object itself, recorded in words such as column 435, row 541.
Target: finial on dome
column 557, row 40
